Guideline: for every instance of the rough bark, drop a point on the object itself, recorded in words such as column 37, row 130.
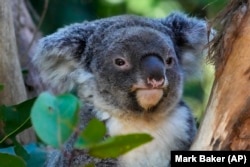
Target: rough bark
column 226, row 124
column 10, row 70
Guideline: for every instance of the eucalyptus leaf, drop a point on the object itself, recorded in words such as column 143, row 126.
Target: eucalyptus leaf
column 37, row 154
column 55, row 117
column 115, row 146
column 15, row 118
column 7, row 160
column 92, row 134
column 21, row 152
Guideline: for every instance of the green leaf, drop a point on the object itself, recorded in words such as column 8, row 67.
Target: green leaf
column 55, row 118
column 7, row 160
column 92, row 134
column 118, row 145
column 20, row 151
column 1, row 87
column 15, row 118
column 37, row 154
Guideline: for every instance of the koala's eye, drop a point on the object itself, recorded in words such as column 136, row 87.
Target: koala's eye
column 169, row 61
column 120, row 62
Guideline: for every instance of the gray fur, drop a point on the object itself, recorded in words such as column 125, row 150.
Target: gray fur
column 82, row 56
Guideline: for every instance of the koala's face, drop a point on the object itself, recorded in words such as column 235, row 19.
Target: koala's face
column 129, row 63
column 138, row 70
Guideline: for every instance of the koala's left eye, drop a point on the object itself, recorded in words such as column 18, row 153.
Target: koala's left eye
column 120, row 62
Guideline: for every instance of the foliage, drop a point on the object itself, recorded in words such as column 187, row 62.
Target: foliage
column 61, row 114
column 118, row 145
column 34, row 155
column 111, row 147
column 55, row 119
column 15, row 119
column 69, row 11
column 7, row 160
column 88, row 138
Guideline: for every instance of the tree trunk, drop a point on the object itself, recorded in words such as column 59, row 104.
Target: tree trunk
column 10, row 70
column 226, row 124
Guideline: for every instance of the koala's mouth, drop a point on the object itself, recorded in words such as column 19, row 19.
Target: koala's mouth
column 148, row 98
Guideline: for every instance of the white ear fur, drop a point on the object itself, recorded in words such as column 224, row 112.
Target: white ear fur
column 56, row 61
column 55, row 70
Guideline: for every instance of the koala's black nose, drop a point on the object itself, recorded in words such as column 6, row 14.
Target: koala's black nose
column 154, row 70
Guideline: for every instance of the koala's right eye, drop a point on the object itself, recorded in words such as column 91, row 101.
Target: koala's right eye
column 121, row 63
column 170, row 61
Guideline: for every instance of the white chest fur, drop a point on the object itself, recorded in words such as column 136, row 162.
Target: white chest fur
column 166, row 133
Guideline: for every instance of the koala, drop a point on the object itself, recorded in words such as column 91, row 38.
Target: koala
column 130, row 70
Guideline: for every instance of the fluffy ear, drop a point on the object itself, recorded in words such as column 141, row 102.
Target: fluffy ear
column 58, row 56
column 190, row 36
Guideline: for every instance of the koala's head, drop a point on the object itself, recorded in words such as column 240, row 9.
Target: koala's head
column 125, row 64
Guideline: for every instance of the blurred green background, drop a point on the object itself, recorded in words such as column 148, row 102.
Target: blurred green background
column 64, row 12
